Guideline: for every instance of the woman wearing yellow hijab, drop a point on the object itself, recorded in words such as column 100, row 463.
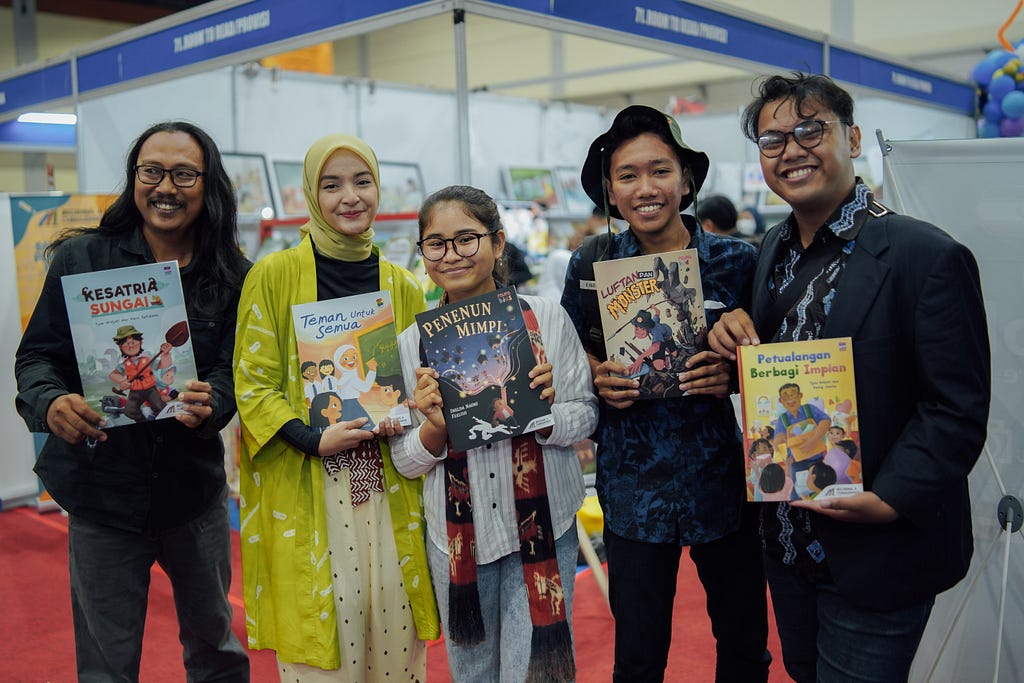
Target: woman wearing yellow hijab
column 334, row 565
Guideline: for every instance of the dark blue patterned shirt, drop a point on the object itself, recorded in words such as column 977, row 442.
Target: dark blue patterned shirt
column 787, row 533
column 671, row 470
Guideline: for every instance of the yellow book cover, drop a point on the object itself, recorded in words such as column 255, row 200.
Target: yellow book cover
column 799, row 410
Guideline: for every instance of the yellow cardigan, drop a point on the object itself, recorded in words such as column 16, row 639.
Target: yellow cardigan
column 285, row 567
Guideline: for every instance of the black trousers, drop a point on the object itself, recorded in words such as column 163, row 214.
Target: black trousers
column 642, row 587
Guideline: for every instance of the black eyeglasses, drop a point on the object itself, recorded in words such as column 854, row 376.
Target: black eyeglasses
column 465, row 244
column 154, row 175
column 808, row 134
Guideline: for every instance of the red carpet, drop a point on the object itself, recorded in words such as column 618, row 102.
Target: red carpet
column 37, row 645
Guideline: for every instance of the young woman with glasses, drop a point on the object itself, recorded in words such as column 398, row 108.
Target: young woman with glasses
column 504, row 613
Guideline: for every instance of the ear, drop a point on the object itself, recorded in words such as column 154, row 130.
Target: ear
column 608, row 191
column 498, row 241
column 854, row 142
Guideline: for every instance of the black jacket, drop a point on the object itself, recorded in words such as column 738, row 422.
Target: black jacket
column 144, row 477
column 910, row 297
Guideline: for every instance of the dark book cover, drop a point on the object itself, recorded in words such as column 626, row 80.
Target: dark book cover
column 483, row 349
column 652, row 316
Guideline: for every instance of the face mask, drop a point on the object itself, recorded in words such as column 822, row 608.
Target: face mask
column 746, row 226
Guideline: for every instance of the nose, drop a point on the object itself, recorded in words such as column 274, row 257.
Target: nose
column 792, row 148
column 647, row 185
column 166, row 185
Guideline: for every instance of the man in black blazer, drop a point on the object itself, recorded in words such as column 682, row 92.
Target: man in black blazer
column 853, row 580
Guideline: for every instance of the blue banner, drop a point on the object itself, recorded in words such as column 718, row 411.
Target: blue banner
column 244, row 27
column 45, row 85
column 875, row 73
column 692, row 26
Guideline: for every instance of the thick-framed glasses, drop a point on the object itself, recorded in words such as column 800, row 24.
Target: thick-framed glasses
column 808, row 134
column 154, row 175
column 465, row 244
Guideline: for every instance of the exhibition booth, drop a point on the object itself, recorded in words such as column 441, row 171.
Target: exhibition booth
column 203, row 65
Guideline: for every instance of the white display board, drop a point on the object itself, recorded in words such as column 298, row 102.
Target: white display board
column 972, row 189
column 18, row 484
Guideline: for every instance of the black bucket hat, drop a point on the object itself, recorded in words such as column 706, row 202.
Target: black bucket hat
column 628, row 123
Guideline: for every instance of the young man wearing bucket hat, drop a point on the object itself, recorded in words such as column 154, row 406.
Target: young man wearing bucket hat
column 670, row 471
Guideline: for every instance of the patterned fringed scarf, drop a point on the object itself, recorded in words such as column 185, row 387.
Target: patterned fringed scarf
column 365, row 467
column 551, row 653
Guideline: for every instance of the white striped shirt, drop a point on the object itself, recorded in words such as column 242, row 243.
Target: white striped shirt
column 490, row 466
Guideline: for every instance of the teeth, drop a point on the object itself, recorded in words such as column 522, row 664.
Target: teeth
column 164, row 206
column 798, row 173
column 650, row 208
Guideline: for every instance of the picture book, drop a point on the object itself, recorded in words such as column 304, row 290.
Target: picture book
column 483, row 349
column 349, row 362
column 652, row 316
column 799, row 412
column 130, row 332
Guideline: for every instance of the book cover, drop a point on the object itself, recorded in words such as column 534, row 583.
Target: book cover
column 483, row 349
column 130, row 332
column 652, row 316
column 349, row 362
column 799, row 413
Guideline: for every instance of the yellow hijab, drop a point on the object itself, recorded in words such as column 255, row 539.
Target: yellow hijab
column 329, row 241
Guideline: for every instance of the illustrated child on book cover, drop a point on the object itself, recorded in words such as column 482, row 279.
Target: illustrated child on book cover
column 134, row 373
column 351, row 385
column 802, row 428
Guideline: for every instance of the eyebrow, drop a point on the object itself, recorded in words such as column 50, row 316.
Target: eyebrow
column 651, row 162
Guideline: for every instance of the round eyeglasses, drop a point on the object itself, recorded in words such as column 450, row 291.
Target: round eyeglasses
column 154, row 175
column 808, row 134
column 465, row 244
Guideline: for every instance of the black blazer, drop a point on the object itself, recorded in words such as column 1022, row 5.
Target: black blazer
column 910, row 297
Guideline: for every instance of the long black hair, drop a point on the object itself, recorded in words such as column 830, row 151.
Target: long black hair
column 217, row 260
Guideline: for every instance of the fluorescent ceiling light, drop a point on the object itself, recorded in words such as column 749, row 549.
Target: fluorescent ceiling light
column 46, row 117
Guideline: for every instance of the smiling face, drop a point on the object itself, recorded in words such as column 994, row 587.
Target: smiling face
column 791, row 398
column 326, row 368
column 347, row 194
column 815, row 181
column 462, row 277
column 836, row 434
column 348, row 359
column 647, row 184
column 131, row 346
column 169, row 211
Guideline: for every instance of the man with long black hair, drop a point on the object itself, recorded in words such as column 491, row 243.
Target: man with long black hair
column 153, row 491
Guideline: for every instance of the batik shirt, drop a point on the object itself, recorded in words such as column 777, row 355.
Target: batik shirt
column 670, row 470
column 787, row 533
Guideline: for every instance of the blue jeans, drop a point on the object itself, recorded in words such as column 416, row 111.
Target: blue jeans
column 642, row 587
column 110, row 572
column 827, row 638
column 504, row 654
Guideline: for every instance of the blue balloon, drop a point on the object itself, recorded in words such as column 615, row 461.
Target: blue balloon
column 1001, row 85
column 987, row 129
column 992, row 111
column 1013, row 104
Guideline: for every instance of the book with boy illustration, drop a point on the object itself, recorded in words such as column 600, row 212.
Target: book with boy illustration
column 483, row 349
column 130, row 333
column 348, row 359
column 799, row 413
column 652, row 316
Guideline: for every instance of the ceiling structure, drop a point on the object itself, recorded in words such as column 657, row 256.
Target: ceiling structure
column 530, row 61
